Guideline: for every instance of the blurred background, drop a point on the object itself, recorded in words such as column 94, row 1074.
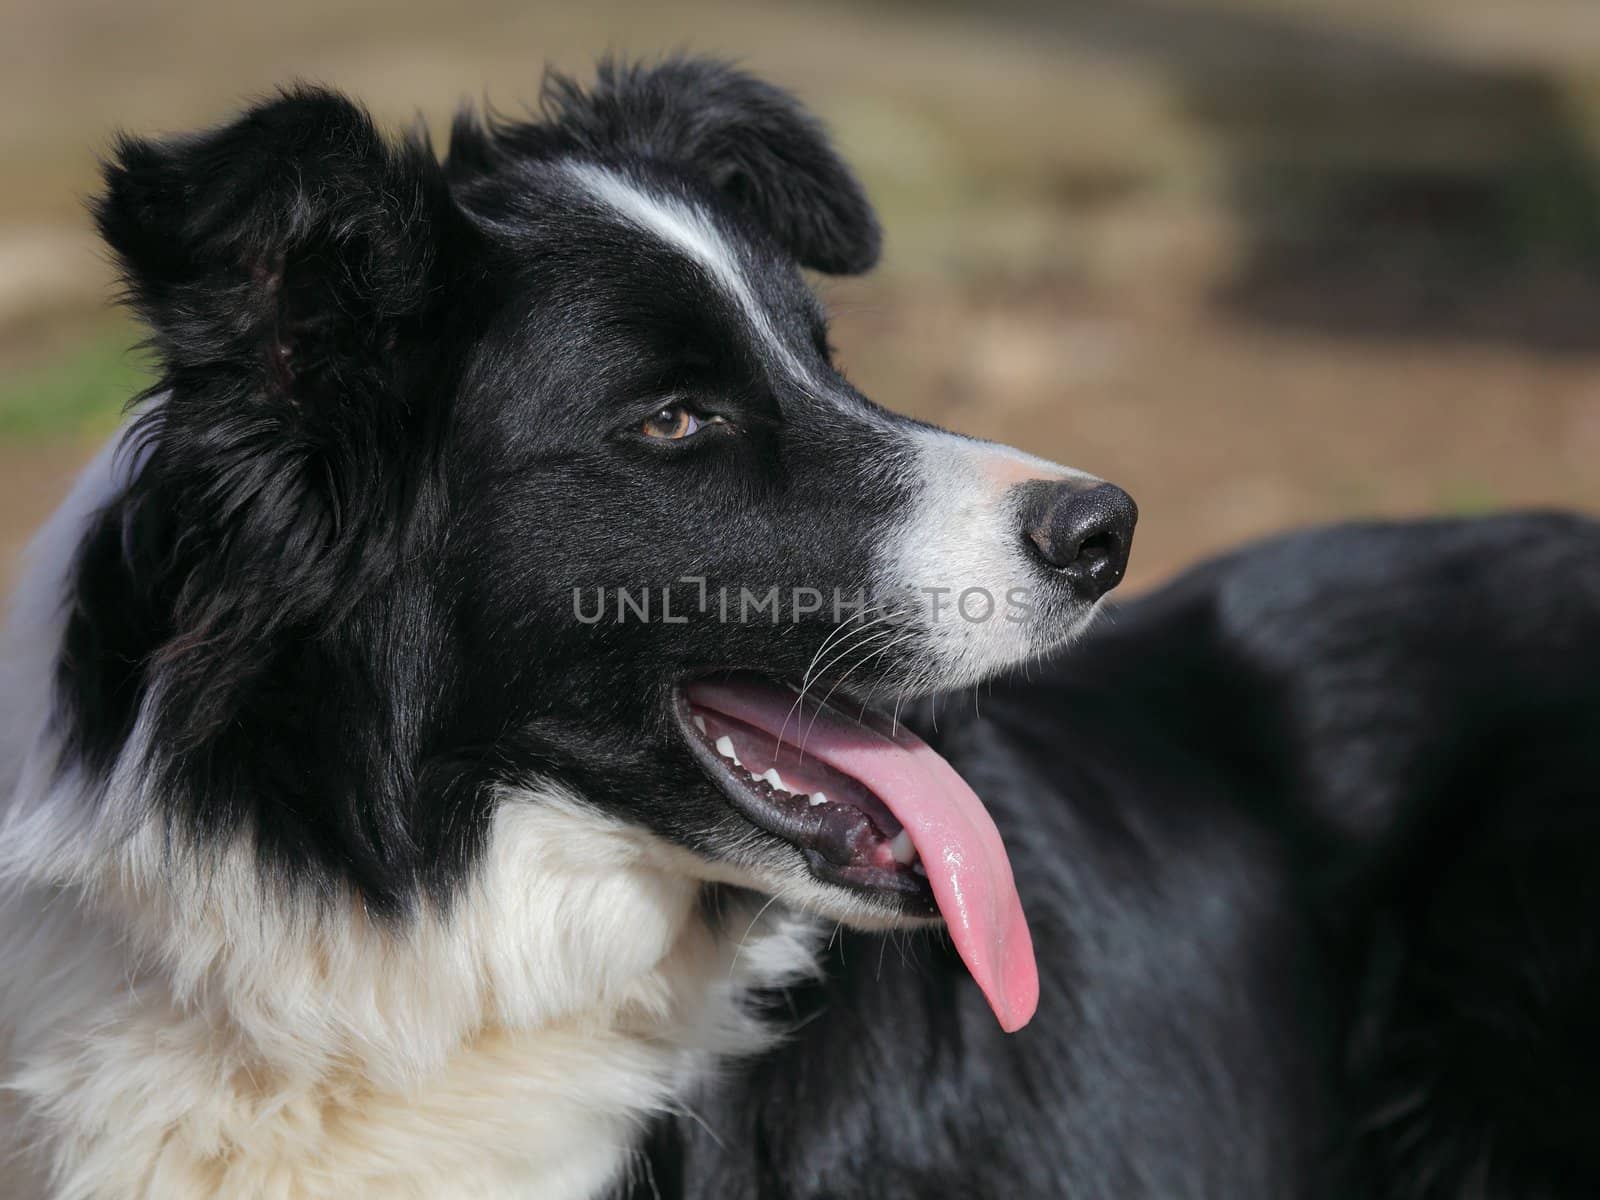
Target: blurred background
column 1262, row 262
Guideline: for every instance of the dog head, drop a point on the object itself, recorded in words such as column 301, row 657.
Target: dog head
column 533, row 467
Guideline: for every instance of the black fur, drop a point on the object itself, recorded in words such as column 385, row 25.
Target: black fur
column 304, row 281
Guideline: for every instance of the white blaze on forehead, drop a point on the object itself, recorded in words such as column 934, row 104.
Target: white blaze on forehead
column 692, row 234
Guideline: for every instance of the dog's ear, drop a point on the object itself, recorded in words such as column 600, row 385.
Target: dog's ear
column 755, row 144
column 295, row 268
column 279, row 258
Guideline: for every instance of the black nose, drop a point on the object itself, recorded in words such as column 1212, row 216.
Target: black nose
column 1083, row 534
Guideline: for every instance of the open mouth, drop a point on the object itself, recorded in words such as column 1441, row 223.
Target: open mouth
column 847, row 834
column 870, row 807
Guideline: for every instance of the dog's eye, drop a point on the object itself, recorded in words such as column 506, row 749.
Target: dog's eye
column 671, row 423
column 675, row 422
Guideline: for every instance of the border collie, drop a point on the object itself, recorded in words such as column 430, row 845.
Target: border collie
column 467, row 736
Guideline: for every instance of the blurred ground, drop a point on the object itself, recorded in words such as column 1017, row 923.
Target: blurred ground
column 1261, row 261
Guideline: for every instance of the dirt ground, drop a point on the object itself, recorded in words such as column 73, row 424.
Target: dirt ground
column 1262, row 263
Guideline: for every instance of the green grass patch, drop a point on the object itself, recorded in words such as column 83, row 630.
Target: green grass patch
column 1468, row 498
column 79, row 394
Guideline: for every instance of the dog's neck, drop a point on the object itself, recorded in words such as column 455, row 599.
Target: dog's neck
column 172, row 1026
column 510, row 1047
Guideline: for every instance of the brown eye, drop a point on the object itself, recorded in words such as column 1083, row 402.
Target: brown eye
column 670, row 423
column 673, row 423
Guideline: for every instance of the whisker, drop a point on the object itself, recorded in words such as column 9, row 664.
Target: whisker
column 806, row 678
column 860, row 644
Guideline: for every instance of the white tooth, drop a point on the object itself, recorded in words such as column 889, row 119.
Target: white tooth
column 818, row 798
column 725, row 748
column 775, row 779
column 902, row 849
column 699, row 722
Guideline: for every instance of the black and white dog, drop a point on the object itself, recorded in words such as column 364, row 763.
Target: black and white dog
column 459, row 737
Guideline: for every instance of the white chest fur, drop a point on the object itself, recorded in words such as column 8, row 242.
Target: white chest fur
column 170, row 1044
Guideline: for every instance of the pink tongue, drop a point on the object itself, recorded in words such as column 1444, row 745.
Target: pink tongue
column 959, row 846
